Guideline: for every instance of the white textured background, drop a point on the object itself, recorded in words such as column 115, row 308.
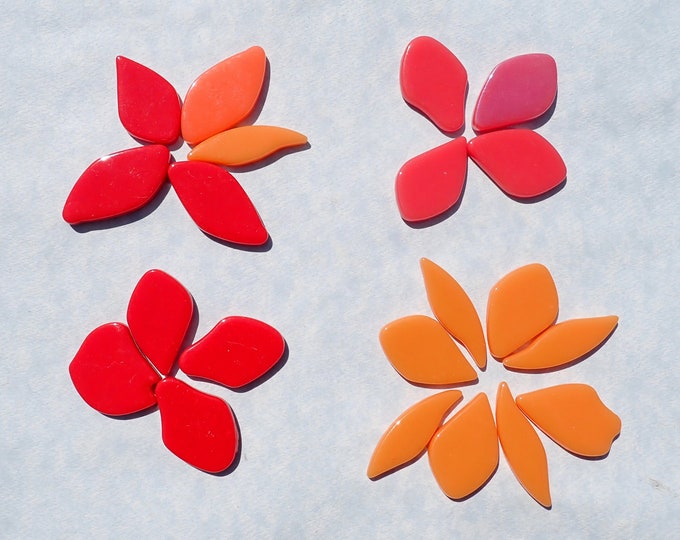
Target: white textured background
column 342, row 264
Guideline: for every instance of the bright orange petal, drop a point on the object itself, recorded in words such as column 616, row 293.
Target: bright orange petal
column 423, row 352
column 562, row 343
column 522, row 447
column 574, row 417
column 464, row 452
column 521, row 305
column 409, row 434
column 454, row 310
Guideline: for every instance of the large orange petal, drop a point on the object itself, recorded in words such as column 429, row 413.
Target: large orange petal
column 454, row 310
column 422, row 352
column 409, row 434
column 521, row 305
column 522, row 447
column 562, row 343
column 463, row 453
column 574, row 417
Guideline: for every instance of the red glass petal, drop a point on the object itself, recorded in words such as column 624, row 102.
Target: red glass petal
column 217, row 202
column 117, row 184
column 519, row 161
column 148, row 105
column 159, row 314
column 110, row 374
column 236, row 352
column 197, row 427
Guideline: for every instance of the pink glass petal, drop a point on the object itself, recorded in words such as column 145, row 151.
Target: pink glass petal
column 435, row 82
column 236, row 352
column 148, row 105
column 197, row 427
column 217, row 202
column 519, row 89
column 117, row 184
column 431, row 183
column 159, row 314
column 110, row 374
column 519, row 161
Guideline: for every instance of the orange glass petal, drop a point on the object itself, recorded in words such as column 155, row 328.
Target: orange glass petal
column 454, row 310
column 223, row 95
column 574, row 417
column 522, row 447
column 244, row 145
column 463, row 453
column 521, row 305
column 562, row 343
column 409, row 434
column 423, row 352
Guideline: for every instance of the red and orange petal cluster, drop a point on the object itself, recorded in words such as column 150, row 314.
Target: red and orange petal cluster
column 521, row 332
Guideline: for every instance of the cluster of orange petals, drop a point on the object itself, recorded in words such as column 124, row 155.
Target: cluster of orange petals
column 521, row 332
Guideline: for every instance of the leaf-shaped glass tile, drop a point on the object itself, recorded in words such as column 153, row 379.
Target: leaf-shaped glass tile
column 110, row 374
column 217, row 203
column 148, row 105
column 574, row 417
column 521, row 162
column 117, row 184
column 423, row 352
column 409, row 434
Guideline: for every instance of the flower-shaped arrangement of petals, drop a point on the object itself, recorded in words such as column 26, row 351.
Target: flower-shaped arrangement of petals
column 521, row 162
column 521, row 332
column 151, row 111
column 120, row 370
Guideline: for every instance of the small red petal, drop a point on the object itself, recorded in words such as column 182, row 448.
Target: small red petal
column 236, row 352
column 217, row 202
column 110, row 374
column 117, row 184
column 197, row 427
column 159, row 314
column 519, row 161
column 148, row 105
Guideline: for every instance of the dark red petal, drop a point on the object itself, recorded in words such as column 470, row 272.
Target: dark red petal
column 431, row 183
column 110, row 374
column 117, row 184
column 236, row 352
column 148, row 105
column 434, row 81
column 519, row 161
column 197, row 427
column 518, row 90
column 159, row 314
column 217, row 202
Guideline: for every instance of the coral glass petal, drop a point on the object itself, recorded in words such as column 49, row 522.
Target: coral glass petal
column 435, row 82
column 521, row 162
column 522, row 447
column 197, row 427
column 431, row 183
column 159, row 314
column 454, row 310
column 519, row 89
column 223, row 95
column 409, row 434
column 521, row 305
column 110, row 374
column 463, row 453
column 236, row 352
column 423, row 352
column 117, row 184
column 246, row 144
column 562, row 343
column 574, row 417
column 148, row 105
column 217, row 203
